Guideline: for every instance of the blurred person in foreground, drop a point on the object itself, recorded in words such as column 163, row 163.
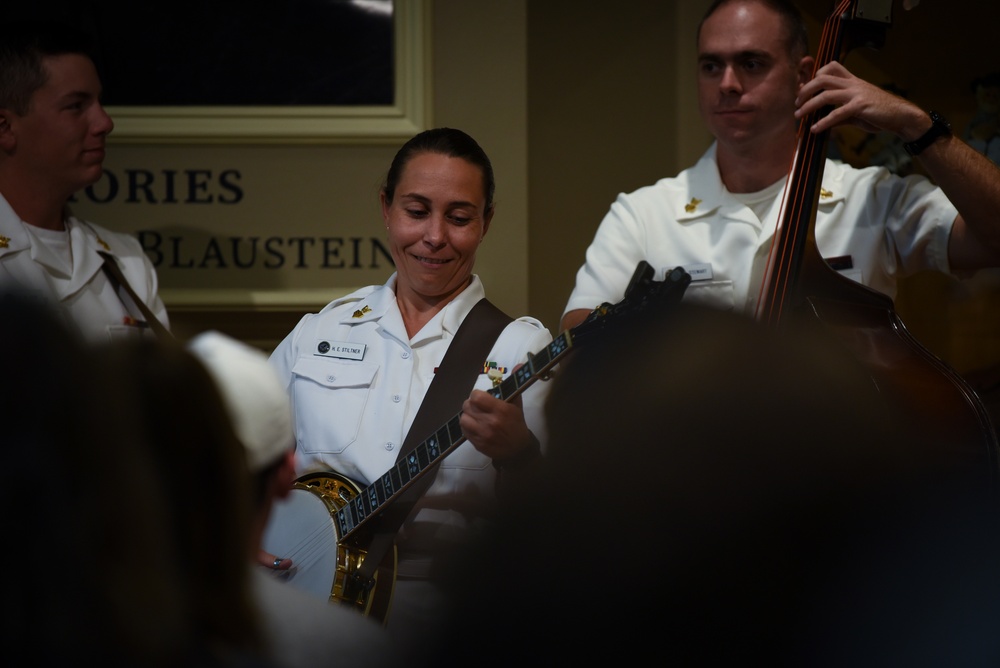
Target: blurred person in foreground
column 301, row 631
column 701, row 505
column 175, row 411
column 82, row 507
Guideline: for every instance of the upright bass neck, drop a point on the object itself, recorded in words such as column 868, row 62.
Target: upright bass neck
column 794, row 264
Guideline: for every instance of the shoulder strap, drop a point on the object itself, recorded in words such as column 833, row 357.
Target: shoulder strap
column 117, row 278
column 454, row 380
column 456, row 375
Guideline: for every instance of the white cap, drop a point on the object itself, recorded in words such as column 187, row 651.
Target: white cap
column 257, row 402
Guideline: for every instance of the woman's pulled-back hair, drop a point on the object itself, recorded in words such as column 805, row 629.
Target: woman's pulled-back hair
column 446, row 141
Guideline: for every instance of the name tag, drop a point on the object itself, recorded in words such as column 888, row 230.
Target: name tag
column 345, row 350
column 701, row 271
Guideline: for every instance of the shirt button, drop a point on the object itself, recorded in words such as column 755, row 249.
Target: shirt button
column 331, row 378
column 389, row 446
column 396, row 398
column 405, row 355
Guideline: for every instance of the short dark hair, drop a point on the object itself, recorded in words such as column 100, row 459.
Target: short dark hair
column 23, row 47
column 446, row 141
column 797, row 35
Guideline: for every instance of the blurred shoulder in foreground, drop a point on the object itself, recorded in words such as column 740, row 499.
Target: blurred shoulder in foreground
column 720, row 490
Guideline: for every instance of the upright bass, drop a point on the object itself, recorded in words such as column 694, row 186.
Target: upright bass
column 920, row 390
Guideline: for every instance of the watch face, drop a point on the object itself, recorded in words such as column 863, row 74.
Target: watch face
column 938, row 119
column 939, row 128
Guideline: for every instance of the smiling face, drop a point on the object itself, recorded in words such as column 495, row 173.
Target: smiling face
column 747, row 78
column 435, row 222
column 60, row 140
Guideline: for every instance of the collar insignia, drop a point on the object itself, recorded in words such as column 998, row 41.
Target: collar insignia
column 692, row 205
column 361, row 312
column 825, row 194
column 4, row 241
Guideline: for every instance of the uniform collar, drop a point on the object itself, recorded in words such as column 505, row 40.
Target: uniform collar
column 370, row 304
column 83, row 240
column 380, row 305
column 453, row 314
column 449, row 319
column 13, row 236
column 709, row 196
column 703, row 183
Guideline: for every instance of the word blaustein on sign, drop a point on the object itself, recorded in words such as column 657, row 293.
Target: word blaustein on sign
column 177, row 252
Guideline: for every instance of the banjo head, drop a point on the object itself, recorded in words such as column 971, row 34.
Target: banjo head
column 301, row 527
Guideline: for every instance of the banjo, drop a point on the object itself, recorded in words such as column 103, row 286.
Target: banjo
column 302, row 527
column 321, row 525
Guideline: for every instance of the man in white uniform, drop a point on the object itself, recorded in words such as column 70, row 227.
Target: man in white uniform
column 717, row 219
column 52, row 141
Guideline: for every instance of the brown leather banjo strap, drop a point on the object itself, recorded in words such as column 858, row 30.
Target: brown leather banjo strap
column 454, row 380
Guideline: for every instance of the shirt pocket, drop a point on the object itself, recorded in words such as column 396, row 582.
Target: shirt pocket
column 330, row 398
column 466, row 458
column 716, row 294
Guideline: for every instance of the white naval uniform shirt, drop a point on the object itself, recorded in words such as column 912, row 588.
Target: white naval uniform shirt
column 354, row 404
column 74, row 279
column 888, row 226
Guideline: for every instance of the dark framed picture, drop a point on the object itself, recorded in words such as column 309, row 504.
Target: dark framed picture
column 227, row 70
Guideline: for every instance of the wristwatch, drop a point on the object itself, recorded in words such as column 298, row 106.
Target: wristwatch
column 939, row 128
